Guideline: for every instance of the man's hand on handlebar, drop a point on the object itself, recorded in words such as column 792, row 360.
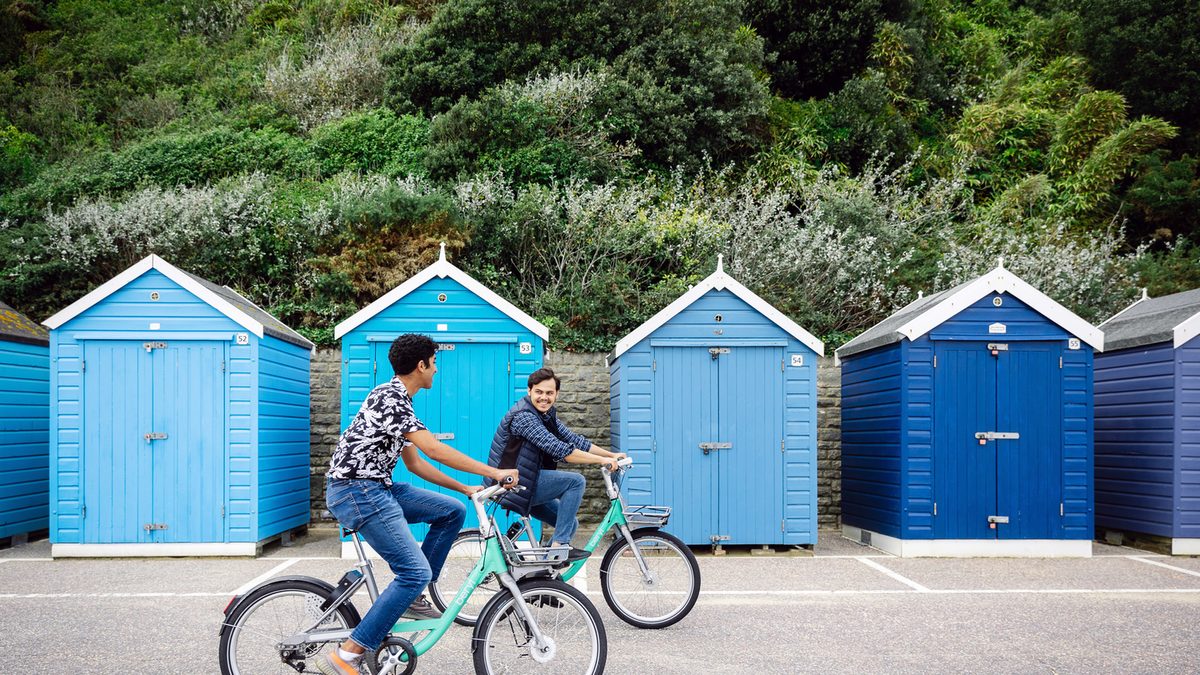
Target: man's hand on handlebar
column 506, row 477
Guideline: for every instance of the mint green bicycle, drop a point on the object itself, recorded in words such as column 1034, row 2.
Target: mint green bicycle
column 650, row 579
column 282, row 625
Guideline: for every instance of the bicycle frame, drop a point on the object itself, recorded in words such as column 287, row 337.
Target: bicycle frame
column 492, row 562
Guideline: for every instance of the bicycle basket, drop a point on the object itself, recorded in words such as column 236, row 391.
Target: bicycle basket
column 642, row 516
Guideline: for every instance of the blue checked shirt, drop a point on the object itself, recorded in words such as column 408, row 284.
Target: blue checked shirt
column 534, row 430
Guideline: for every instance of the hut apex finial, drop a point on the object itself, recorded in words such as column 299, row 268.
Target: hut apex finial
column 920, row 294
column 442, row 254
column 1000, row 263
column 1145, row 296
column 720, row 262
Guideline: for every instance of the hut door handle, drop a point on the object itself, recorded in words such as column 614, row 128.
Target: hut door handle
column 155, row 436
column 709, row 447
column 985, row 436
column 444, row 437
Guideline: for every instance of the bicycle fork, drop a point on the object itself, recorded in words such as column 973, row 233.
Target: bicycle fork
column 637, row 554
column 542, row 645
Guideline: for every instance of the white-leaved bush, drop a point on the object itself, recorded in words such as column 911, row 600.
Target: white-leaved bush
column 339, row 74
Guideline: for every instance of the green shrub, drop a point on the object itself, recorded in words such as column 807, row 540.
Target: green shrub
column 375, row 141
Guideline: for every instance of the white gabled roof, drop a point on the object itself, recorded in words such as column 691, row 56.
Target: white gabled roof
column 718, row 281
column 441, row 269
column 1001, row 280
column 221, row 299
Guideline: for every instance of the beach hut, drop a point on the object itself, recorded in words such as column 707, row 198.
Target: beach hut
column 1148, row 424
column 715, row 399
column 24, row 426
column 967, row 425
column 181, row 420
column 487, row 348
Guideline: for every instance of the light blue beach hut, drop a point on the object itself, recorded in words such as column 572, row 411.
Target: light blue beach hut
column 487, row 348
column 181, row 420
column 715, row 399
column 24, row 426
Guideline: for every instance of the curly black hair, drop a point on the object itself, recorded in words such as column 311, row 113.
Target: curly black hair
column 410, row 349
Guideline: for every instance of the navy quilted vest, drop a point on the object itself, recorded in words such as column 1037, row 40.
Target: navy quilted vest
column 510, row 451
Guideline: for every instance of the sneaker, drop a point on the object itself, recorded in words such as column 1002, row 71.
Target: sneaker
column 421, row 609
column 332, row 664
column 563, row 552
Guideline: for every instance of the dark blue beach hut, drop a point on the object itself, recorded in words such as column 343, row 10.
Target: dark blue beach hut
column 967, row 425
column 24, row 426
column 487, row 348
column 181, row 420
column 715, row 399
column 1148, row 423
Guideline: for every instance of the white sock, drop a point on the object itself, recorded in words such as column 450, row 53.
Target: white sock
column 348, row 657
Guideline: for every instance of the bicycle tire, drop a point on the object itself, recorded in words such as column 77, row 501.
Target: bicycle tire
column 294, row 601
column 560, row 610
column 465, row 552
column 675, row 575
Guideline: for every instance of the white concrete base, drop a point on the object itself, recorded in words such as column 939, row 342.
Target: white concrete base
column 973, row 548
column 579, row 581
column 1185, row 547
column 152, row 550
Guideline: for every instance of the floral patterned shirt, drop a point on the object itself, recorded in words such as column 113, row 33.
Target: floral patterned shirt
column 371, row 445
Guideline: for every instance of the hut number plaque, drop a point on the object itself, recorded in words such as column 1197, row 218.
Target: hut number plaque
column 526, row 348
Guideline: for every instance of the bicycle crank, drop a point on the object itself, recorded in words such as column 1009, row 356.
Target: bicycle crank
column 389, row 659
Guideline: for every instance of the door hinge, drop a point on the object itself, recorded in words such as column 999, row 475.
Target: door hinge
column 1060, row 363
column 782, row 366
column 653, row 446
column 935, row 508
column 374, row 367
column 222, row 512
column 222, row 366
column 508, row 368
column 83, row 512
column 935, row 360
column 783, row 526
column 781, row 446
column 654, row 365
column 1060, row 509
column 83, row 366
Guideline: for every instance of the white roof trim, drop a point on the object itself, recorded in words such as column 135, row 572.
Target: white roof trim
column 441, row 269
column 1133, row 304
column 1001, row 280
column 153, row 262
column 718, row 281
column 1187, row 330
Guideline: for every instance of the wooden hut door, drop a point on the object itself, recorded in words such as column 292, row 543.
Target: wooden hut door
column 154, row 442
column 718, row 431
column 1014, row 478
column 472, row 390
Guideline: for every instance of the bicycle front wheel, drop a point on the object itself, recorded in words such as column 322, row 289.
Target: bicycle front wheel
column 465, row 553
column 659, row 598
column 271, row 613
column 576, row 645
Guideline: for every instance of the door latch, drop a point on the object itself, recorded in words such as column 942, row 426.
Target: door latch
column 985, row 436
column 710, row 447
column 151, row 346
column 155, row 436
column 994, row 520
column 717, row 351
column 444, row 437
column 150, row 527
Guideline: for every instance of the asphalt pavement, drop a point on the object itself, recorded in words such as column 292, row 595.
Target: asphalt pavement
column 839, row 608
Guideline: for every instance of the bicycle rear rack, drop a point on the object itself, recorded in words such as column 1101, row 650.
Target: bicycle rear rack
column 656, row 516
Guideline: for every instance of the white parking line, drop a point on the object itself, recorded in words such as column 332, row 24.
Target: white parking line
column 902, row 579
column 1158, row 564
column 263, row 577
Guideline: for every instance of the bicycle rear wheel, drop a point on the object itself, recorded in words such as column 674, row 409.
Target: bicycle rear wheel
column 465, row 553
column 667, row 595
column 272, row 612
column 503, row 641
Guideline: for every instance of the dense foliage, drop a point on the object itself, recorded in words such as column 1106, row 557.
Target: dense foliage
column 590, row 160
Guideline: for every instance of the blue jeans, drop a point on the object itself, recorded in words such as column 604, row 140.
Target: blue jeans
column 556, row 500
column 381, row 515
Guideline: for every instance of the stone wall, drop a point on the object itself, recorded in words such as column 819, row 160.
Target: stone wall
column 582, row 405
